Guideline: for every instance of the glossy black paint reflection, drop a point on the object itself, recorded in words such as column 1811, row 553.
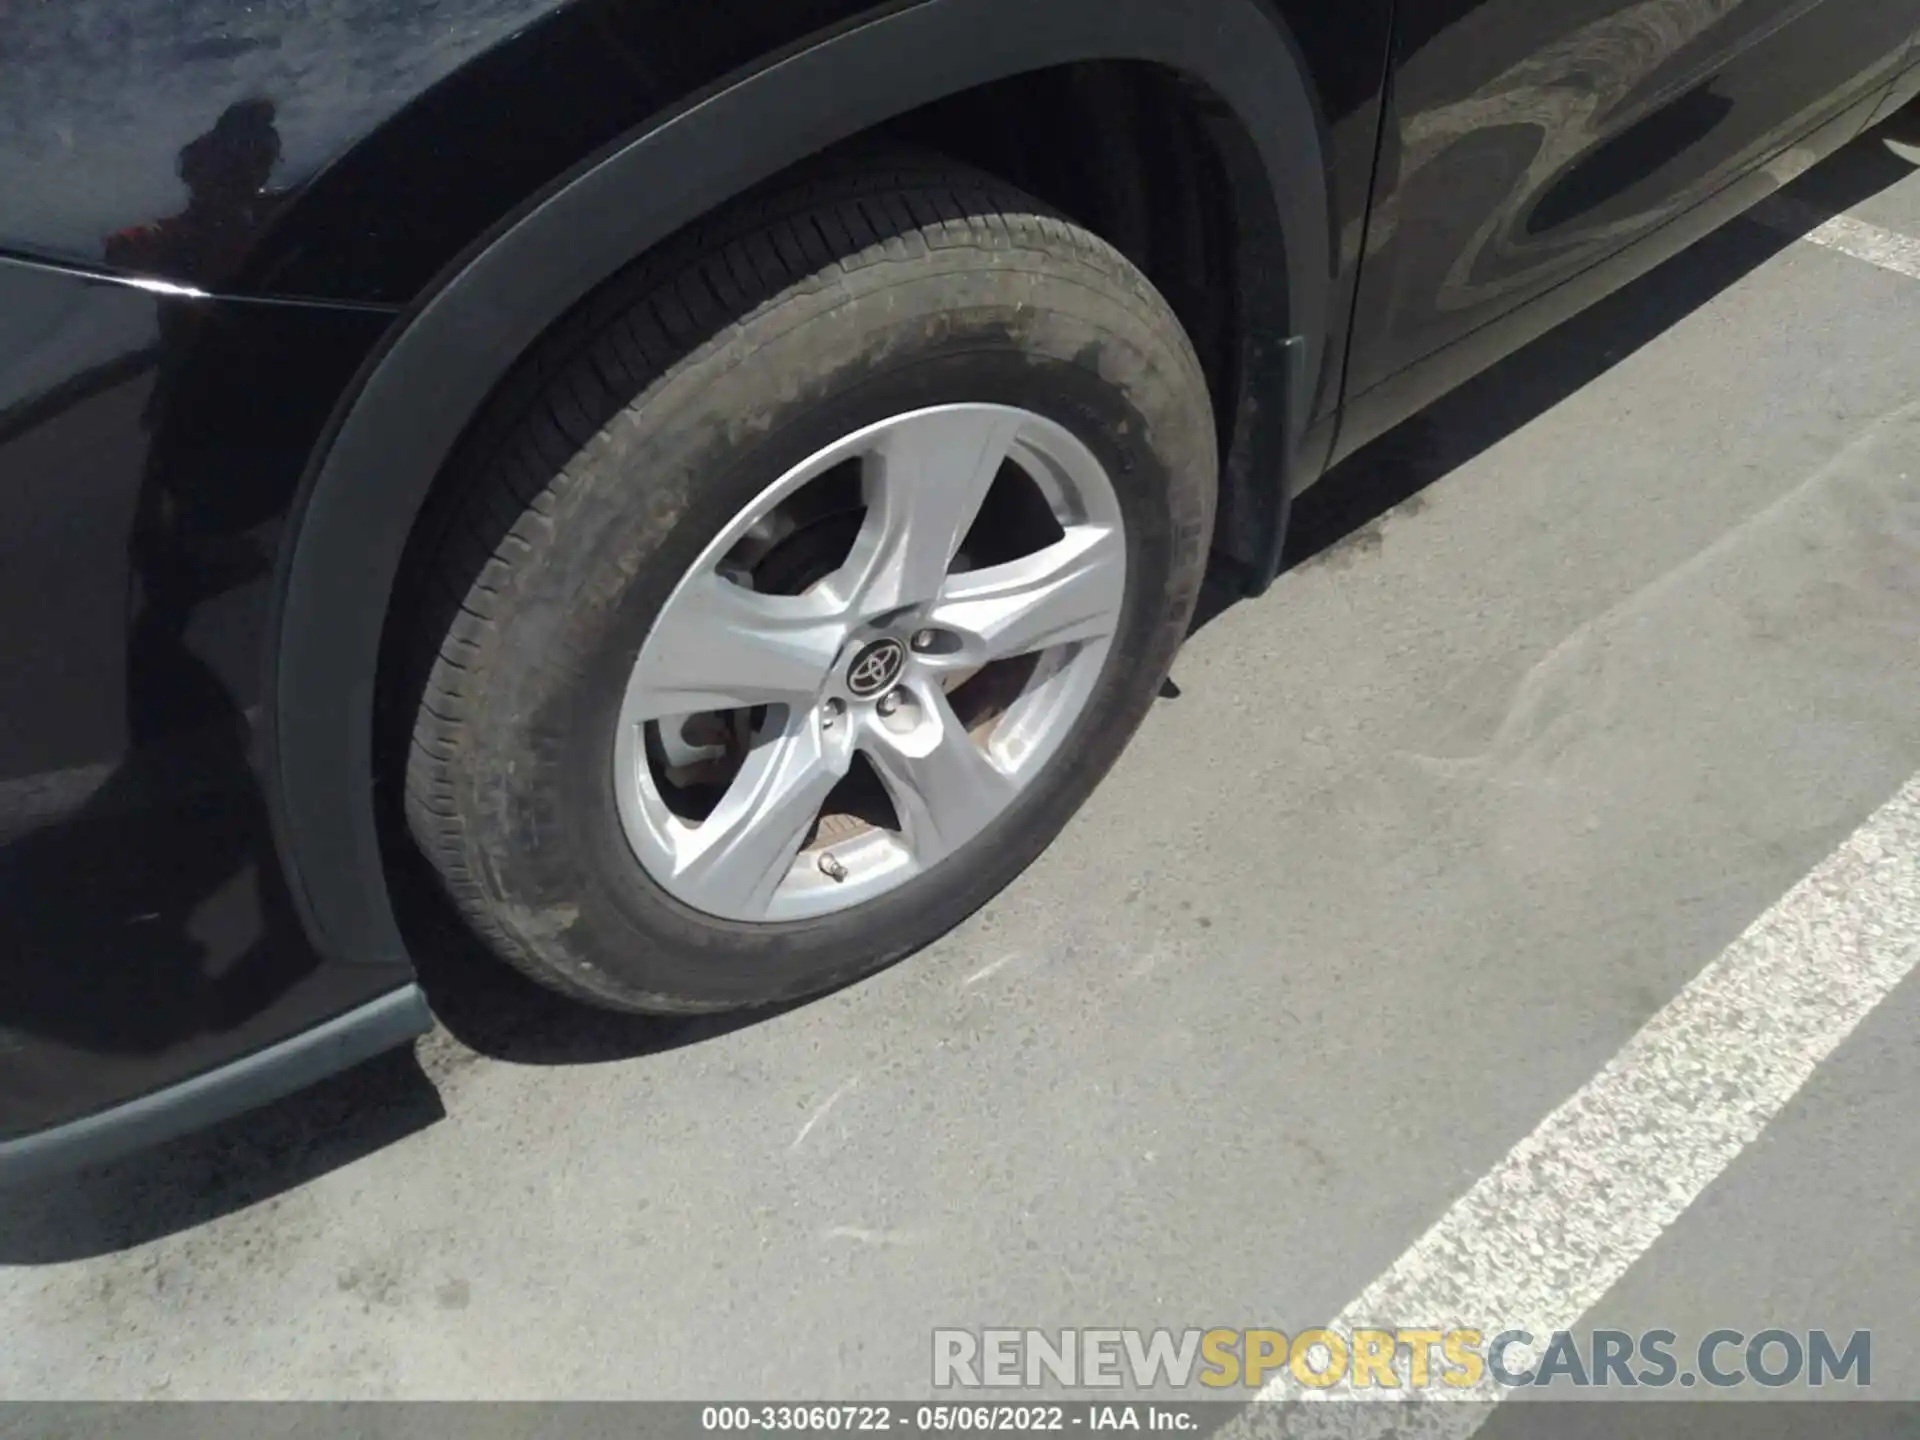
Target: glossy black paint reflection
column 384, row 137
column 1367, row 416
column 1527, row 142
column 148, row 450
column 108, row 106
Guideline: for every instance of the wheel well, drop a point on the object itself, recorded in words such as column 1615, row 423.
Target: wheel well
column 1256, row 299
column 1128, row 152
column 1134, row 152
column 1127, row 156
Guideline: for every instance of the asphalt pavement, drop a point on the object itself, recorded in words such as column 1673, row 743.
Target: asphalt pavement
column 1572, row 679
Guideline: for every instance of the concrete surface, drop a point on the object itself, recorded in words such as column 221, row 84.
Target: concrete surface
column 1427, row 834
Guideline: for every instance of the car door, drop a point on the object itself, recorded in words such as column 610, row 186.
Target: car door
column 1529, row 140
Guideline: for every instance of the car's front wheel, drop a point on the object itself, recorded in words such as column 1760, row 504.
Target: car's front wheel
column 796, row 592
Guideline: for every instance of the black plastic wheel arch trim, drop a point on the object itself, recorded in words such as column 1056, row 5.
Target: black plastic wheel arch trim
column 256, row 1079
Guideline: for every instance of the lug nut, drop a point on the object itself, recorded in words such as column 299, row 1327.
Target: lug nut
column 831, row 711
column 890, row 702
column 925, row 639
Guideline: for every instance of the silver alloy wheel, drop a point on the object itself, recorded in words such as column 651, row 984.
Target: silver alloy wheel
column 862, row 661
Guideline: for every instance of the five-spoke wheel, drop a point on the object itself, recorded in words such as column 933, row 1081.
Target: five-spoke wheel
column 863, row 662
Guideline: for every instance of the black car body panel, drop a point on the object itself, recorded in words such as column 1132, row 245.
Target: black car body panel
column 261, row 267
column 150, row 446
column 1529, row 142
column 367, row 143
column 1437, row 308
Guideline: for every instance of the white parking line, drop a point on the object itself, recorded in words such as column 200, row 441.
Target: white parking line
column 1550, row 1229
column 1799, row 221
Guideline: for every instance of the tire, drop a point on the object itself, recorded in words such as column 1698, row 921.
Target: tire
column 645, row 422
